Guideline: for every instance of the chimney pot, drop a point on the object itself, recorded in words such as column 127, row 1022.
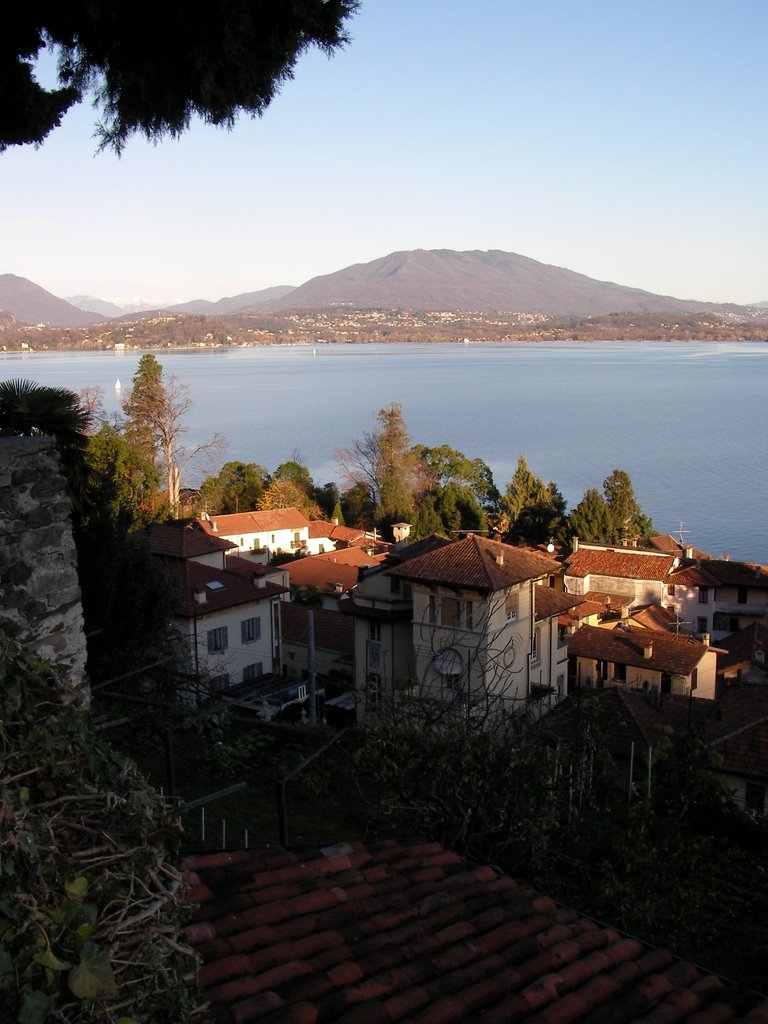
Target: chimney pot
column 575, row 545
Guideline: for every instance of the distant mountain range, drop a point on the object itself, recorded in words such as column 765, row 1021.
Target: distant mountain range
column 420, row 279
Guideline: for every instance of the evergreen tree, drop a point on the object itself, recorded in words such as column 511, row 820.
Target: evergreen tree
column 627, row 518
column 530, row 511
column 237, row 487
column 591, row 519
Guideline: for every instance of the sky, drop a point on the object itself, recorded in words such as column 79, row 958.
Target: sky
column 626, row 141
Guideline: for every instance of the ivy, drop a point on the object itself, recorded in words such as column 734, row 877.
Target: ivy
column 90, row 902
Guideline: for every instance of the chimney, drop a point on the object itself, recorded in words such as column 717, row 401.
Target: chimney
column 648, row 648
column 574, row 545
column 625, row 611
column 259, row 581
column 500, row 558
column 214, row 527
column 335, row 520
column 689, row 550
column 200, row 595
column 705, row 639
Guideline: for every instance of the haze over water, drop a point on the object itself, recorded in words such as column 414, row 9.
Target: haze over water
column 686, row 421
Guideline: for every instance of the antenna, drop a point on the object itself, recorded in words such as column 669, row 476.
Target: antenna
column 681, row 530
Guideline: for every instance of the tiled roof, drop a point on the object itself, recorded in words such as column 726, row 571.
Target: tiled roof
column 330, row 568
column 182, row 539
column 477, row 564
column 741, row 647
column 655, row 616
column 549, row 601
column 672, row 546
column 229, row 590
column 618, row 562
column 333, row 631
column 738, row 574
column 693, row 575
column 385, row 933
column 238, row 523
column 670, row 652
column 738, row 730
column 624, row 716
column 333, row 531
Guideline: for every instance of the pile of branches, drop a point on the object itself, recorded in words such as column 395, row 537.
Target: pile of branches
column 90, row 903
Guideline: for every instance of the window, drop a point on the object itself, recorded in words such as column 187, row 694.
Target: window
column 432, row 609
column 741, row 597
column 450, row 612
column 217, row 639
column 469, row 614
column 620, row 673
column 695, row 679
column 511, row 606
column 394, row 584
column 253, row 671
column 536, row 645
column 250, row 630
column 703, row 595
column 375, row 630
column 725, row 623
column 701, row 625
column 219, row 682
column 671, row 590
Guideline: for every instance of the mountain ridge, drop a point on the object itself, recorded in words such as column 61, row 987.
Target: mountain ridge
column 434, row 280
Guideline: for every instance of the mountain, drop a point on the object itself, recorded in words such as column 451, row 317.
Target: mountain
column 442, row 279
column 32, row 304
column 235, row 303
column 91, row 304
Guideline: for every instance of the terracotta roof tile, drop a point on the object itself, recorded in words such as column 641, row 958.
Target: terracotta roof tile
column 620, row 563
column 425, row 939
column 239, row 523
column 476, row 564
column 669, row 652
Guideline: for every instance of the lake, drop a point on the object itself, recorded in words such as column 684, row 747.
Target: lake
column 686, row 421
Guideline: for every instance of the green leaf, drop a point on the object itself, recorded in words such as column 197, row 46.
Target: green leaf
column 93, row 978
column 35, row 1007
column 49, row 959
column 7, row 973
column 77, row 888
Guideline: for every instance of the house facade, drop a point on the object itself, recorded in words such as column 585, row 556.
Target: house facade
column 261, row 534
column 459, row 625
column 641, row 659
column 634, row 575
column 718, row 596
column 230, row 622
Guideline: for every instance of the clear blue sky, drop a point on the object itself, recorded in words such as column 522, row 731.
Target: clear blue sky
column 623, row 140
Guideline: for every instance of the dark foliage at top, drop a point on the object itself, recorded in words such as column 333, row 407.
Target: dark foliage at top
column 153, row 66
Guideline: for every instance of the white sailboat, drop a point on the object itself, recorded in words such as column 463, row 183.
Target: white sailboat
column 118, row 385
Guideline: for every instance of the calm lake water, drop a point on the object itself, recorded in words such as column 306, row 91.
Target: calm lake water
column 686, row 421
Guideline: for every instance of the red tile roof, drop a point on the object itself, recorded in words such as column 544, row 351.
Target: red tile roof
column 239, row 523
column 549, row 601
column 330, row 568
column 382, row 933
column 348, row 535
column 233, row 590
column 738, row 731
column 182, row 539
column 333, row 631
column 619, row 562
column 655, row 616
column 624, row 716
column 744, row 647
column 670, row 652
column 475, row 563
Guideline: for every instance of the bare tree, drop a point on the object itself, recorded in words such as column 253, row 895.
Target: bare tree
column 155, row 422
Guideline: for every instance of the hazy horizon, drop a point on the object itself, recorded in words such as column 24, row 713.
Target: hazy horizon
column 621, row 142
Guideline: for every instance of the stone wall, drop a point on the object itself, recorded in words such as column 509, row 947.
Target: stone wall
column 39, row 588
